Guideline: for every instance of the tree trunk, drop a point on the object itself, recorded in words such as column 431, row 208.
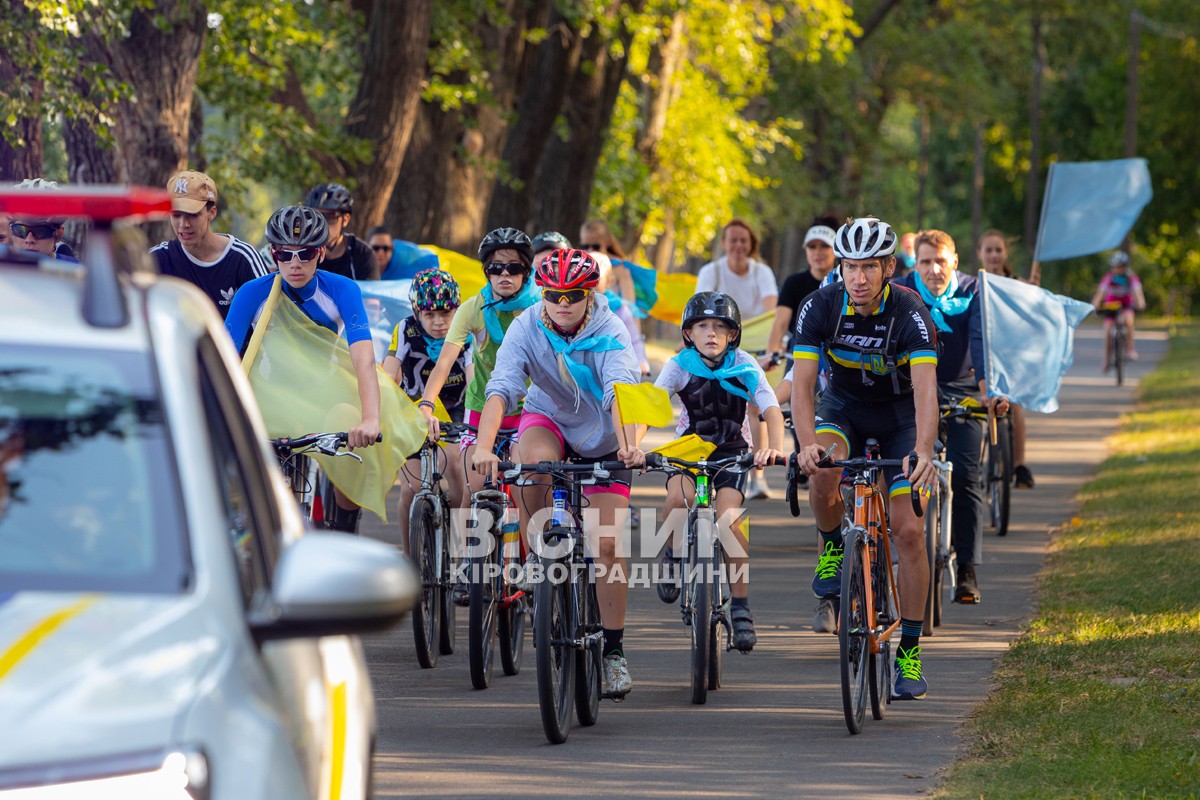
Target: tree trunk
column 977, row 185
column 159, row 61
column 417, row 204
column 556, row 60
column 89, row 159
column 1033, row 183
column 569, row 167
column 922, row 167
column 385, row 105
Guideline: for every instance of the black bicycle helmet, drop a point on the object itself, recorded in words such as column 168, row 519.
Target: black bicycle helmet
column 550, row 240
column 297, row 226
column 712, row 305
column 330, row 197
column 506, row 239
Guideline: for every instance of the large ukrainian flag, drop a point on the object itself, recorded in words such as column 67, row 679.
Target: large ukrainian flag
column 305, row 383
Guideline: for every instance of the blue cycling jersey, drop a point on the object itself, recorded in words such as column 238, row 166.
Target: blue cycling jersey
column 330, row 300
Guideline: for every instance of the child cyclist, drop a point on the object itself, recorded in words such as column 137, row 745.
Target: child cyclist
column 416, row 346
column 297, row 235
column 570, row 350
column 718, row 384
column 1119, row 292
column 506, row 254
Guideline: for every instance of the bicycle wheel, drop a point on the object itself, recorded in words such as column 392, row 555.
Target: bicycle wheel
column 885, row 614
column 481, row 620
column 589, row 665
column 427, row 610
column 700, row 597
column 853, row 632
column 511, row 632
column 555, row 656
column 1118, row 353
column 933, row 538
column 1000, row 476
column 717, row 637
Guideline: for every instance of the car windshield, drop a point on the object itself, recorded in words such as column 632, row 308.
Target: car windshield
column 88, row 497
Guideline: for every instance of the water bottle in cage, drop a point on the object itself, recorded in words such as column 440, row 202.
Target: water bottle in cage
column 561, row 516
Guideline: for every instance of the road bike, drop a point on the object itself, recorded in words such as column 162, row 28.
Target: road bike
column 939, row 525
column 429, row 534
column 870, row 600
column 704, row 596
column 498, row 607
column 567, row 634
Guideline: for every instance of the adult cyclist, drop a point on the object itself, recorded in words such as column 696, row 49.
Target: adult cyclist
column 345, row 253
column 882, row 351
column 297, row 235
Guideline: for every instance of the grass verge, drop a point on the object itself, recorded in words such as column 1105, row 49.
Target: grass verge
column 1100, row 697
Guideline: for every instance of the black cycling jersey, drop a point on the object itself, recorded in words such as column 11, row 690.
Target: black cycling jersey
column 416, row 365
column 870, row 358
column 714, row 414
column 357, row 261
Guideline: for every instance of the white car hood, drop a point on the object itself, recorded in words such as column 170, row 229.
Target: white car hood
column 83, row 676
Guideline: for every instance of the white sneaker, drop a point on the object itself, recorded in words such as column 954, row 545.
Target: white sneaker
column 525, row 581
column 758, row 489
column 617, row 682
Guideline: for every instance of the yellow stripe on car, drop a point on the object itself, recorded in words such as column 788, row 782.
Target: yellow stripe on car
column 337, row 739
column 38, row 633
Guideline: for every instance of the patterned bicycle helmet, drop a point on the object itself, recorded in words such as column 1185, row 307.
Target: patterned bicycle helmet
column 568, row 269
column 550, row 240
column 865, row 237
column 434, row 290
column 506, row 239
column 1119, row 259
column 297, row 226
column 712, row 305
column 330, row 197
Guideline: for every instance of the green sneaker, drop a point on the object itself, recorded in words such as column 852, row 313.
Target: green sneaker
column 910, row 685
column 828, row 580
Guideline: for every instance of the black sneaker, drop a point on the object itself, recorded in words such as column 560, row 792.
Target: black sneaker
column 744, row 637
column 1022, row 477
column 967, row 591
column 669, row 577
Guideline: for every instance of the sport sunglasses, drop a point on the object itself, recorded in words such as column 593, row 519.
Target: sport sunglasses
column 286, row 256
column 572, row 296
column 21, row 230
column 510, row 268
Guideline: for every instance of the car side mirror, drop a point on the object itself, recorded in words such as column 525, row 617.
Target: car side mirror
column 334, row 584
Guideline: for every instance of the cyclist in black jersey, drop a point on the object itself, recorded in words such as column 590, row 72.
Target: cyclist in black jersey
column 881, row 347
column 346, row 254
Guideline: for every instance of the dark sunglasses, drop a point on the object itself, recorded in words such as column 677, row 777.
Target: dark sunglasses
column 511, row 268
column 572, row 296
column 381, row 248
column 20, row 230
column 594, row 247
column 286, row 256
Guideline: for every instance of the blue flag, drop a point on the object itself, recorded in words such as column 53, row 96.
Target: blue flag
column 1090, row 206
column 1029, row 335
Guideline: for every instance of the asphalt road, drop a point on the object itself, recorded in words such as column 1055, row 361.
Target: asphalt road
column 775, row 728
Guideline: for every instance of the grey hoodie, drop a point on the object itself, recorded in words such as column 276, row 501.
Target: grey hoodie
column 526, row 353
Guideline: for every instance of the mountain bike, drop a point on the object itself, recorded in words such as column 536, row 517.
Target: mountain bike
column 705, row 595
column 567, row 634
column 302, row 473
column 498, row 607
column 1115, row 336
column 870, row 601
column 429, row 532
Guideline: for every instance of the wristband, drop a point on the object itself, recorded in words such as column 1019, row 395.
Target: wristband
column 423, row 403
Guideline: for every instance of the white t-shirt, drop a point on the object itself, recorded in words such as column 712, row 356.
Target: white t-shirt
column 748, row 291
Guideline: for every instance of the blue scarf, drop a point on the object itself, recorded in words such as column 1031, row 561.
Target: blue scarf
column 691, row 360
column 615, row 301
column 946, row 304
column 583, row 375
column 521, row 300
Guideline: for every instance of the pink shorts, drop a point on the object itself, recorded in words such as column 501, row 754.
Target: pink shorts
column 621, row 478
column 469, row 438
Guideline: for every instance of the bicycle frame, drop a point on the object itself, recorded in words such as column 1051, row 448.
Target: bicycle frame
column 869, row 522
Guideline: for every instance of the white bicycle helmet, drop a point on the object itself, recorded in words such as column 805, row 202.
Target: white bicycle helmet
column 865, row 237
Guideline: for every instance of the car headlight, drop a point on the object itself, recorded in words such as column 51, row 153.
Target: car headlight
column 176, row 775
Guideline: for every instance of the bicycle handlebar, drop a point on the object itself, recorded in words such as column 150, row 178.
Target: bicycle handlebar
column 658, row 461
column 512, row 470
column 326, row 443
column 863, row 464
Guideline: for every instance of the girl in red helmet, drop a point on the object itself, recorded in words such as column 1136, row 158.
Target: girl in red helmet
column 562, row 359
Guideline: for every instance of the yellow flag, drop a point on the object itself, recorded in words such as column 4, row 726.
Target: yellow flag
column 305, row 383
column 688, row 448
column 467, row 271
column 674, row 290
column 756, row 331
column 643, row 404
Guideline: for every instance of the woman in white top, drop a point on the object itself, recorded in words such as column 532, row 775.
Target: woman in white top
column 739, row 274
column 751, row 284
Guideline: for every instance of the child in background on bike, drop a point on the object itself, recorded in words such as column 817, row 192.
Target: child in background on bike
column 718, row 384
column 1120, row 290
column 562, row 359
column 506, row 254
column 415, row 349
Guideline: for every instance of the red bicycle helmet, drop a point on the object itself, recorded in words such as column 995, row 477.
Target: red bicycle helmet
column 568, row 269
